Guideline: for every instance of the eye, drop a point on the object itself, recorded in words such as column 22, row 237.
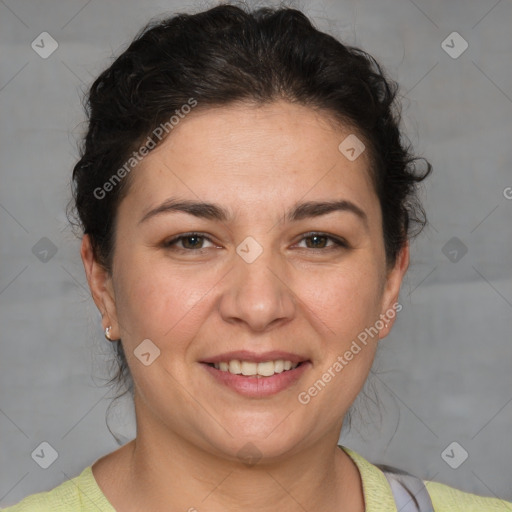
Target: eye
column 319, row 240
column 189, row 241
column 194, row 242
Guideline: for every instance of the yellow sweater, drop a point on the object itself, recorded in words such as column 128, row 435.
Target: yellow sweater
column 82, row 494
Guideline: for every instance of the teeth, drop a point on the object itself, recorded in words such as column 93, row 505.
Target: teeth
column 234, row 367
column 265, row 369
column 278, row 366
column 250, row 368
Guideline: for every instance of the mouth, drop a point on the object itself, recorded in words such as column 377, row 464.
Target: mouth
column 257, row 375
column 253, row 369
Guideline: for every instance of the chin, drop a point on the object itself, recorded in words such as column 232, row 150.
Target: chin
column 257, row 443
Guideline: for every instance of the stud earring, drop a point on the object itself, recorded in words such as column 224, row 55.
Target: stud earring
column 107, row 333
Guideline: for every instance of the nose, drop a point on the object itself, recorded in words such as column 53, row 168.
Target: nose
column 257, row 293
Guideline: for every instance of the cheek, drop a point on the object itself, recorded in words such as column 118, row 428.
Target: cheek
column 153, row 302
column 346, row 297
column 348, row 306
column 347, row 301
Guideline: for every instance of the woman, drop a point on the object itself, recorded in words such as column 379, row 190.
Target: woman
column 246, row 201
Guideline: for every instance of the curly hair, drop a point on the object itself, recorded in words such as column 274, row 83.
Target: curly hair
column 230, row 54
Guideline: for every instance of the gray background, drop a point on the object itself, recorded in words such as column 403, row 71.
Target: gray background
column 444, row 373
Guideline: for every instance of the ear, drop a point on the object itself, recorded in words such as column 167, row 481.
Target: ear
column 390, row 305
column 100, row 284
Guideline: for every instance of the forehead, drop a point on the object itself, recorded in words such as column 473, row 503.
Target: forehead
column 254, row 157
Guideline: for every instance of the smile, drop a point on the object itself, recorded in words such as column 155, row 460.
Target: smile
column 244, row 377
column 251, row 368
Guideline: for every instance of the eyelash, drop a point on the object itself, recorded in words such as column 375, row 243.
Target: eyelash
column 339, row 243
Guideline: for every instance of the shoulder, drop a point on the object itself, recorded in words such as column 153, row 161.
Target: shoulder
column 378, row 494
column 448, row 499
column 79, row 494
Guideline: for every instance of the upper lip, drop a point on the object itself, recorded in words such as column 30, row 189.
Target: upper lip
column 247, row 355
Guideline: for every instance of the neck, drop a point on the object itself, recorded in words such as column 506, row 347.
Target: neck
column 161, row 470
column 169, row 473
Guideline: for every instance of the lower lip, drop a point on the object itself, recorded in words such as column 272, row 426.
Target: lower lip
column 255, row 387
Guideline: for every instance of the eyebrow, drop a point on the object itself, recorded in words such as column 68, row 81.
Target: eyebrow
column 216, row 212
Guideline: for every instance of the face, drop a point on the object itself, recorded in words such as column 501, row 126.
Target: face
column 267, row 276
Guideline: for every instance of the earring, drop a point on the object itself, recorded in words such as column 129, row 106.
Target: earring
column 107, row 333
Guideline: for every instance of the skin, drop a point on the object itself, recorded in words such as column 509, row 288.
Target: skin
column 257, row 162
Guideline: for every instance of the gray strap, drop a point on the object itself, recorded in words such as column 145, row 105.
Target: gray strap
column 409, row 491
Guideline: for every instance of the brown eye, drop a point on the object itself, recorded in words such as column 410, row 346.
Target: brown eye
column 196, row 242
column 317, row 241
column 189, row 242
column 320, row 240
